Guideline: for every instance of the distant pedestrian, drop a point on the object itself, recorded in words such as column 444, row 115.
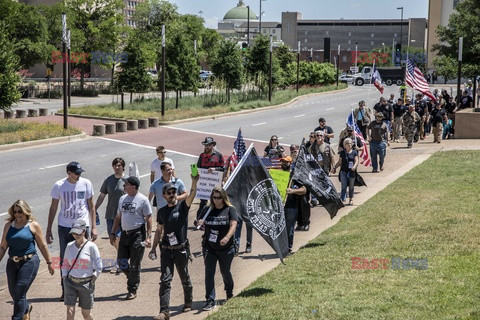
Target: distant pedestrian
column 348, row 163
column 398, row 111
column 274, row 149
column 134, row 214
column 322, row 152
column 155, row 170
column 113, row 187
column 377, row 132
column 83, row 266
column 220, row 220
column 20, row 234
column 439, row 115
column 410, row 120
column 363, row 116
column 171, row 234
column 327, row 130
column 75, row 196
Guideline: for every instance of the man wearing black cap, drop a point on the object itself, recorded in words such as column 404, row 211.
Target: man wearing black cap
column 327, row 130
column 134, row 212
column 357, row 142
column 210, row 159
column 75, row 195
column 172, row 223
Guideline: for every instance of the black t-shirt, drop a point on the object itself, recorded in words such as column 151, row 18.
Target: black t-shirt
column 465, row 102
column 398, row 110
column 450, row 106
column 217, row 225
column 293, row 200
column 385, row 109
column 420, row 109
column 214, row 160
column 175, row 223
column 356, row 143
column 437, row 115
column 326, row 130
column 275, row 152
column 348, row 160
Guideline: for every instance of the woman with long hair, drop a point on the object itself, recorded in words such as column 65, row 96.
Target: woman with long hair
column 20, row 234
column 274, row 149
column 220, row 221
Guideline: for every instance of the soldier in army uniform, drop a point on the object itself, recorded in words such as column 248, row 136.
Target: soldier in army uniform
column 410, row 120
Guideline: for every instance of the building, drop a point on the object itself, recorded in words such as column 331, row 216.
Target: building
column 439, row 12
column 363, row 35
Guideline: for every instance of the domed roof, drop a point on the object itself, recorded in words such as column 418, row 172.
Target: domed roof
column 240, row 12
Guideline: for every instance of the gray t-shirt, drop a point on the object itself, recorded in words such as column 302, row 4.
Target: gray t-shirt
column 157, row 186
column 113, row 187
column 134, row 209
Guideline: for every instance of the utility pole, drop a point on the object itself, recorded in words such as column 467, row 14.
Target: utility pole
column 338, row 62
column 64, row 53
column 248, row 26
column 69, row 70
column 163, row 70
column 298, row 65
column 459, row 74
column 270, row 78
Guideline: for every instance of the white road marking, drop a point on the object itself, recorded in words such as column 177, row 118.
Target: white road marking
column 300, row 115
column 212, row 133
column 258, row 124
column 149, row 147
column 329, row 109
column 3, row 214
column 53, row 166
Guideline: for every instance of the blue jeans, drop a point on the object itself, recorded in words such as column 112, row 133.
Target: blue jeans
column 224, row 258
column 20, row 276
column 348, row 180
column 290, row 219
column 238, row 233
column 377, row 148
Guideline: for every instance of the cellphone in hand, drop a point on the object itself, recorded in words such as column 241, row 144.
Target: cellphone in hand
column 194, row 169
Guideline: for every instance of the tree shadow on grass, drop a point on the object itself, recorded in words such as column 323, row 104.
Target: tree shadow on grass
column 255, row 292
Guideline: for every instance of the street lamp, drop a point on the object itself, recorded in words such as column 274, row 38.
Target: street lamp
column 260, row 18
column 248, row 26
column 401, row 26
column 383, row 44
column 65, row 71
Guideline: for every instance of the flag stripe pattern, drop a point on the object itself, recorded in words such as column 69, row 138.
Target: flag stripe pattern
column 377, row 80
column 364, row 157
column 415, row 79
column 239, row 149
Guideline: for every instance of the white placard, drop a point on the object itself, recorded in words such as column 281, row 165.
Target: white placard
column 207, row 182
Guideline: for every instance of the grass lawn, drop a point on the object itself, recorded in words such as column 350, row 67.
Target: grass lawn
column 430, row 213
column 12, row 131
column 191, row 107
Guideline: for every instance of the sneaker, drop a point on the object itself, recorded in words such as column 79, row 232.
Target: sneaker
column 306, row 228
column 209, row 306
column 162, row 316
column 187, row 307
column 229, row 296
column 314, row 202
column 374, row 171
column 248, row 249
column 299, row 227
column 131, row 295
column 381, row 168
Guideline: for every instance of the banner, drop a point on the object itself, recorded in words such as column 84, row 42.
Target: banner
column 207, row 182
column 255, row 196
column 309, row 173
column 281, row 179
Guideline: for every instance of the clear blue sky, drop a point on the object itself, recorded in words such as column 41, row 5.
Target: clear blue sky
column 214, row 10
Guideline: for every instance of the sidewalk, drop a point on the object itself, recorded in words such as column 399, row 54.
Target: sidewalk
column 111, row 289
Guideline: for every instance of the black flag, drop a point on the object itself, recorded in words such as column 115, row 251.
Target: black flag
column 309, row 173
column 255, row 196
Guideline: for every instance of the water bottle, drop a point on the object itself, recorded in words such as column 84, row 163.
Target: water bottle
column 152, row 256
column 143, row 243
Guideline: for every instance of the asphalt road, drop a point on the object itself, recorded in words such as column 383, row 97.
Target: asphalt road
column 30, row 173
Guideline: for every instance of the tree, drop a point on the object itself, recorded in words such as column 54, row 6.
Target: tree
column 134, row 76
column 462, row 23
column 9, row 78
column 258, row 56
column 446, row 67
column 284, row 56
column 228, row 66
column 209, row 46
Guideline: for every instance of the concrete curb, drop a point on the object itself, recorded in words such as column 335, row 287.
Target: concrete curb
column 35, row 143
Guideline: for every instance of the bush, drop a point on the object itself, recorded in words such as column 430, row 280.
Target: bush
column 85, row 93
column 12, row 131
column 54, row 94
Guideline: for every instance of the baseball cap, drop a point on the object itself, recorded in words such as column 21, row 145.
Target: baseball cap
column 168, row 186
column 349, row 128
column 75, row 167
column 78, row 226
column 287, row 159
column 134, row 181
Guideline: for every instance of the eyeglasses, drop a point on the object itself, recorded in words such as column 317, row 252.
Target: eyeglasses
column 162, row 152
column 170, row 193
column 18, row 211
column 216, row 198
column 273, row 139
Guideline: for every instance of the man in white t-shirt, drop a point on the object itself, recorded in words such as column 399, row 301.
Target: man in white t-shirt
column 75, row 195
column 155, row 171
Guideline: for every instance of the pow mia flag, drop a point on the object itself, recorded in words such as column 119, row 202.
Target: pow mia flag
column 255, row 196
column 308, row 172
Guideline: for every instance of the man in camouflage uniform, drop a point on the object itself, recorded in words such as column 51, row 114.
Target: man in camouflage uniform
column 410, row 120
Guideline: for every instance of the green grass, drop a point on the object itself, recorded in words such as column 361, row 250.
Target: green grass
column 12, row 131
column 191, row 107
column 430, row 213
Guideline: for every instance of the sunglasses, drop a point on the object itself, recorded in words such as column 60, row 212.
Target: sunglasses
column 162, row 152
column 312, row 136
column 170, row 193
column 319, row 135
column 274, row 139
column 18, row 211
column 216, row 198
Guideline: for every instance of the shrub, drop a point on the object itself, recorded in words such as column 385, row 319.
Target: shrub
column 54, row 94
column 85, row 93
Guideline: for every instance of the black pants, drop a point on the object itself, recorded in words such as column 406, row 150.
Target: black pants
column 303, row 218
column 202, row 204
column 130, row 254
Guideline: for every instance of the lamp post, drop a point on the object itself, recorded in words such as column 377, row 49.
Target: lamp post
column 270, row 77
column 69, row 71
column 459, row 74
column 248, row 26
column 163, row 70
column 356, row 56
column 65, row 58
column 260, row 18
column 338, row 62
column 298, row 65
column 401, row 26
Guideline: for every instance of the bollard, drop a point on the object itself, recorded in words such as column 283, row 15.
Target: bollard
column 142, row 123
column 121, row 126
column 21, row 113
column 109, row 128
column 8, row 114
column 33, row 112
column 132, row 125
column 153, row 122
column 98, row 130
column 43, row 112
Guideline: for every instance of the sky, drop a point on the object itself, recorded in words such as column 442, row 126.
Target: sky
column 214, row 10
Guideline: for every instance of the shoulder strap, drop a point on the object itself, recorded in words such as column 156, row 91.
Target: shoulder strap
column 74, row 261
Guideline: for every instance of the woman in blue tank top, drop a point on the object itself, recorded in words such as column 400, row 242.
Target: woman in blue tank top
column 19, row 236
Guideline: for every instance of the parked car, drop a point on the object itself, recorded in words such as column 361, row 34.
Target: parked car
column 205, row 74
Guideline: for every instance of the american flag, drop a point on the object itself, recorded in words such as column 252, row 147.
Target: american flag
column 377, row 80
column 364, row 157
column 239, row 149
column 416, row 80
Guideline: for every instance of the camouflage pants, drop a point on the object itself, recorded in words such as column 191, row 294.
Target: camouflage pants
column 410, row 134
column 437, row 132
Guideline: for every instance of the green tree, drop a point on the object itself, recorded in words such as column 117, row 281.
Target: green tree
column 134, row 76
column 464, row 22
column 314, row 73
column 228, row 66
column 258, row 56
column 209, row 46
column 284, row 56
column 446, row 67
column 9, row 78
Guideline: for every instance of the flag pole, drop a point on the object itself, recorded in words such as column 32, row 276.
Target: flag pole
column 354, row 122
column 225, row 186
